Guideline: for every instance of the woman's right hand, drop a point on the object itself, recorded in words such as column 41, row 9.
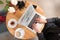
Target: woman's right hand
column 39, row 21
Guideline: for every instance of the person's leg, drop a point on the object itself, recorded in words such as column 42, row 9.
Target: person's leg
column 57, row 22
column 54, row 20
column 52, row 24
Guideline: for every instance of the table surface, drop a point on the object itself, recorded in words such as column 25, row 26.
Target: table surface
column 17, row 15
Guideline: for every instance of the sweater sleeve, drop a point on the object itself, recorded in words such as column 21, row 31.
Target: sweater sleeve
column 40, row 36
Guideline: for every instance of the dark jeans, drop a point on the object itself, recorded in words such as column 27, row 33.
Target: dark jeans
column 51, row 30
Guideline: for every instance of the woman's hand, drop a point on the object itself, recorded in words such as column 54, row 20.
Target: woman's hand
column 39, row 22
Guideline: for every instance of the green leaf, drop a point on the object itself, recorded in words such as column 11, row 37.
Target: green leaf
column 1, row 2
column 8, row 1
column 6, row 8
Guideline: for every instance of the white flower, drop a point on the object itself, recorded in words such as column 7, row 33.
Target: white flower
column 11, row 9
column 14, row 2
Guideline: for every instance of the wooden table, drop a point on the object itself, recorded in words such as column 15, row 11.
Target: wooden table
column 17, row 15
